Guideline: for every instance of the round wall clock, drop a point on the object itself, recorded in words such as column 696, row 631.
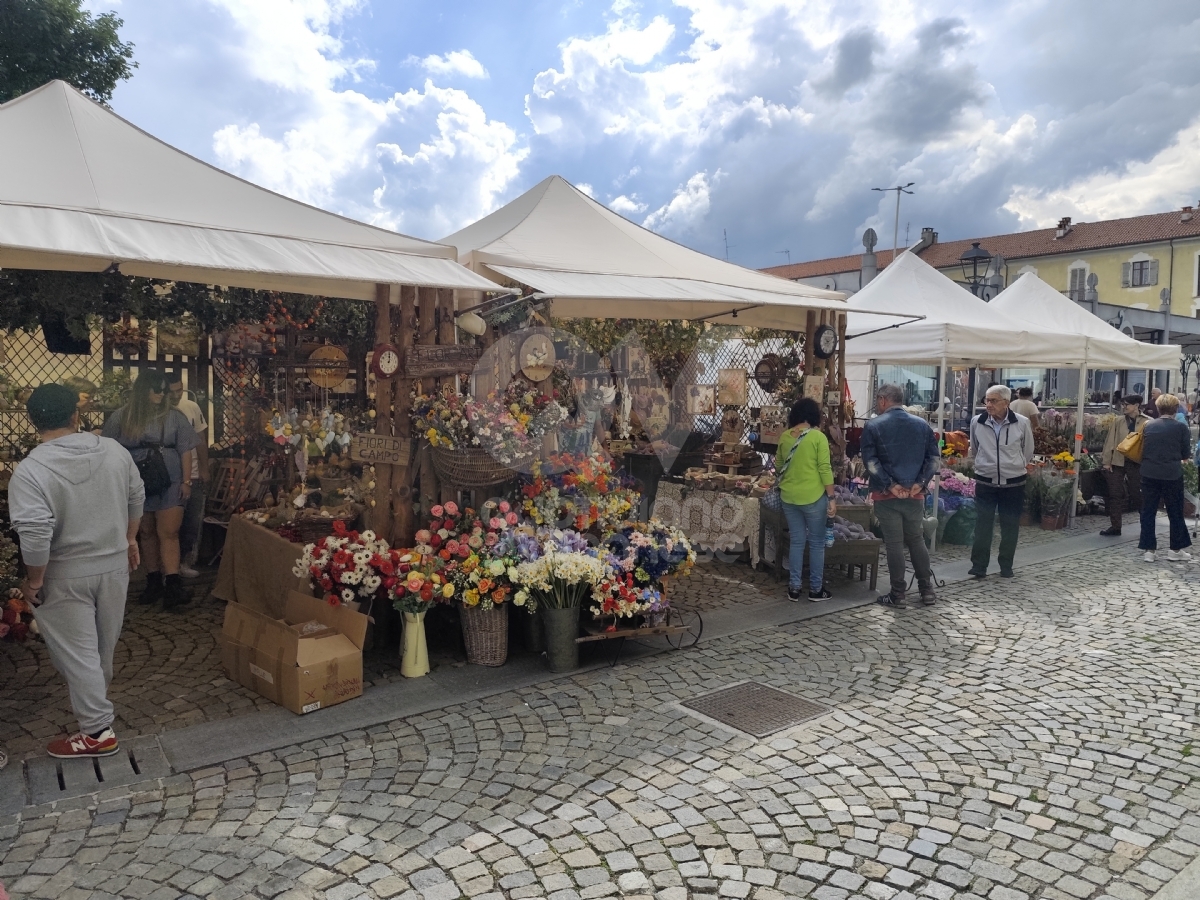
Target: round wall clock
column 825, row 341
column 767, row 372
column 385, row 361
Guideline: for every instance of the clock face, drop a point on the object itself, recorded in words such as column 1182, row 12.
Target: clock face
column 826, row 341
column 389, row 362
column 385, row 361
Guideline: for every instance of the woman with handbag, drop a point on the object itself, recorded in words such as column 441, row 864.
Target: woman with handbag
column 161, row 441
column 805, row 481
column 1122, row 474
column 1166, row 442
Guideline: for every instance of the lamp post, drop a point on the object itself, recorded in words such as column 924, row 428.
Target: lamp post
column 899, row 189
column 975, row 263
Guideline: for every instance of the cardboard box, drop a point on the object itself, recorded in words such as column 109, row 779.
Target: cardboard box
column 309, row 659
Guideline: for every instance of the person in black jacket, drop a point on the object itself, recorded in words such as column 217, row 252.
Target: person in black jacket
column 1165, row 443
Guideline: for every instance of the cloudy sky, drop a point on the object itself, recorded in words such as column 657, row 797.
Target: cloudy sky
column 768, row 121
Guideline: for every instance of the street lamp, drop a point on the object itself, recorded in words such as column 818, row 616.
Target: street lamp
column 975, row 264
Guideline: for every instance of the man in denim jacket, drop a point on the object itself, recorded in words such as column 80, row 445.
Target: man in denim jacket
column 901, row 454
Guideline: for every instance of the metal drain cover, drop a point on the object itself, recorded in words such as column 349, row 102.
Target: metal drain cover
column 755, row 708
column 139, row 759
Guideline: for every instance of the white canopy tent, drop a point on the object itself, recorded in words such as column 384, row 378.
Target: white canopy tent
column 83, row 189
column 596, row 264
column 1040, row 306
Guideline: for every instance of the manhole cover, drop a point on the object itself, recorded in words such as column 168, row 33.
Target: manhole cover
column 755, row 708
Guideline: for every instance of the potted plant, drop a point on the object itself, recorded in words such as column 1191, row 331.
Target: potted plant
column 559, row 571
column 1057, row 494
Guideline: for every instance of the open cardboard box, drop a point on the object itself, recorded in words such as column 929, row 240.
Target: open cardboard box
column 309, row 659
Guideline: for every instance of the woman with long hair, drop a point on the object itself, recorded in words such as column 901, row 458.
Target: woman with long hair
column 806, row 488
column 147, row 426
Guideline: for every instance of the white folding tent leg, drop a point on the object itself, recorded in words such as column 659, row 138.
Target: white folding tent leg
column 1078, row 441
column 937, row 478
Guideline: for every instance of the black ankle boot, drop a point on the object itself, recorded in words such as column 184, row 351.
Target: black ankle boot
column 173, row 593
column 153, row 591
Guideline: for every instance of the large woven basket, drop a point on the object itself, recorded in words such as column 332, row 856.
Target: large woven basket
column 469, row 467
column 485, row 632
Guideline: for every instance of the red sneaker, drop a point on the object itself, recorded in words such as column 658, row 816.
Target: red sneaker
column 78, row 745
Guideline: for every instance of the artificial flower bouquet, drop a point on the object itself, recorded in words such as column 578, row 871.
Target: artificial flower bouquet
column 619, row 596
column 351, row 566
column 578, row 493
column 511, row 423
column 423, row 582
column 650, row 551
column 441, row 418
column 955, row 491
column 477, row 551
column 559, row 569
column 16, row 618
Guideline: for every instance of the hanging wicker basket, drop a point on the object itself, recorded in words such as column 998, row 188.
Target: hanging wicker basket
column 469, row 467
column 485, row 632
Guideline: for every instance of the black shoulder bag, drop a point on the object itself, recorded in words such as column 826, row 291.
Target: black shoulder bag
column 153, row 467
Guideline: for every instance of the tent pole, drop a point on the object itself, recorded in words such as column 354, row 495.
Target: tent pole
column 941, row 436
column 1078, row 441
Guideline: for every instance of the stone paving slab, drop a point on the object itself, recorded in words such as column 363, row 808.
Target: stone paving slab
column 1022, row 739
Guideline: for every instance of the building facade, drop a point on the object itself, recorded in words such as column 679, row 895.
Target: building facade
column 1117, row 269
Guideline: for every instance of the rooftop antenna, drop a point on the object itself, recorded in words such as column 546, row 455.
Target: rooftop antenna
column 899, row 189
column 789, row 255
column 726, row 234
column 907, row 225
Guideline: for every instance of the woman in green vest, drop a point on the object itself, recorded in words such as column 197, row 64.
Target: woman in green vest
column 806, row 488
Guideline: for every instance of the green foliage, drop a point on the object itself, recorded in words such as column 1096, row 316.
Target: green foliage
column 669, row 342
column 28, row 297
column 41, row 40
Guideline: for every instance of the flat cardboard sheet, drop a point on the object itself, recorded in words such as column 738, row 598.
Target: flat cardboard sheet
column 256, row 569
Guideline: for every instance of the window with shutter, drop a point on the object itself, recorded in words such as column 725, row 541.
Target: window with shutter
column 1126, row 274
column 1140, row 275
column 1152, row 274
column 1077, row 285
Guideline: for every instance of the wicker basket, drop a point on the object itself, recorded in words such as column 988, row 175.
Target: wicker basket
column 469, row 467
column 485, row 632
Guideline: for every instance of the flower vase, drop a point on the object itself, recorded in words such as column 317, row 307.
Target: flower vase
column 561, row 627
column 414, row 658
column 532, row 635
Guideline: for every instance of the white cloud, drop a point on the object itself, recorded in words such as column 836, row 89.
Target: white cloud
column 1168, row 180
column 426, row 162
column 684, row 210
column 586, row 188
column 628, row 206
column 456, row 62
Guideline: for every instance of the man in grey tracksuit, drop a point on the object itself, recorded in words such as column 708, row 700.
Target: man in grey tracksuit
column 76, row 502
column 1002, row 452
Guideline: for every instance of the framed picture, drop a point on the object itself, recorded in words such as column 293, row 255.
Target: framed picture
column 772, row 422
column 702, row 400
column 814, row 386
column 731, row 387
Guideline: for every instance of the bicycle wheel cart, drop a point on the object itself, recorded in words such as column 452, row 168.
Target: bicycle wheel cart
column 682, row 629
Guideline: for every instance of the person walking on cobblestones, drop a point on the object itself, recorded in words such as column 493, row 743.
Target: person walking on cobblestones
column 1002, row 452
column 901, row 454
column 1122, row 476
column 1166, row 442
column 76, row 502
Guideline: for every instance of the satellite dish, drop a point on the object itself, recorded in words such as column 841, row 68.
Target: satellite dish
column 869, row 239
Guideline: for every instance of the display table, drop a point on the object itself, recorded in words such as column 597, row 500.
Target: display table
column 850, row 555
column 712, row 520
column 256, row 568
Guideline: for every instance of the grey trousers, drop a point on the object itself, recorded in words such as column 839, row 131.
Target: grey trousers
column 81, row 619
column 901, row 521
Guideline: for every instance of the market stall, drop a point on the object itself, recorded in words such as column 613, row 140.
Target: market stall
column 958, row 329
column 1041, row 308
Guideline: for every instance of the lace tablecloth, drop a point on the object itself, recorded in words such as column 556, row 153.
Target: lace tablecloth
column 712, row 520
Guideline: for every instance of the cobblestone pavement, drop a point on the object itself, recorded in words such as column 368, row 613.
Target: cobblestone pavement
column 1023, row 739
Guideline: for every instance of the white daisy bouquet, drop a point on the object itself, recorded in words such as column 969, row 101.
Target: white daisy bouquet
column 566, row 572
column 351, row 566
